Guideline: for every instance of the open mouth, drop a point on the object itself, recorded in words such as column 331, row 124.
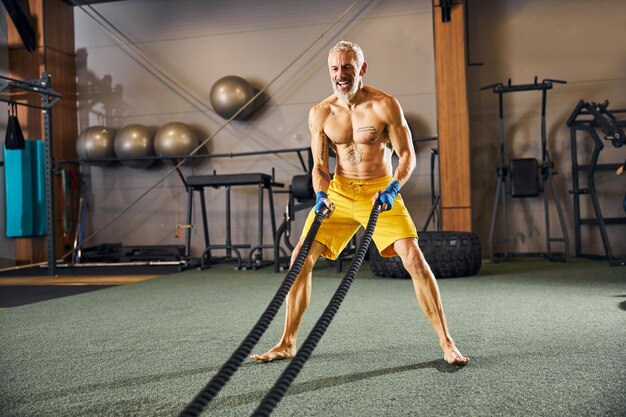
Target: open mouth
column 344, row 85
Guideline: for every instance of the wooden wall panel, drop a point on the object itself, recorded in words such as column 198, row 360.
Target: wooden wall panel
column 456, row 218
column 61, row 66
column 25, row 65
column 30, row 249
column 53, row 23
column 36, row 21
column 59, row 26
column 452, row 119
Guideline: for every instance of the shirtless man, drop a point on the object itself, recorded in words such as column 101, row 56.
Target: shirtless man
column 359, row 122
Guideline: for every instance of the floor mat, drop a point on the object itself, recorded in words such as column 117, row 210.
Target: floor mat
column 17, row 295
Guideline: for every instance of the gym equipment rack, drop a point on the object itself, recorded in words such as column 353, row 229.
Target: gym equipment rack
column 590, row 117
column 169, row 255
column 49, row 97
column 519, row 177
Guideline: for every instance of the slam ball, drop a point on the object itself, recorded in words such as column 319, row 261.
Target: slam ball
column 174, row 139
column 132, row 141
column 96, row 142
column 229, row 94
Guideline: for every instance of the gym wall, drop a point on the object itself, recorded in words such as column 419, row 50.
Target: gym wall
column 578, row 41
column 7, row 248
column 195, row 43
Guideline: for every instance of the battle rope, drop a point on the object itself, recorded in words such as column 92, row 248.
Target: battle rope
column 290, row 373
column 204, row 397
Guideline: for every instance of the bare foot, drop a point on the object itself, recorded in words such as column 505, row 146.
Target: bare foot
column 277, row 353
column 452, row 355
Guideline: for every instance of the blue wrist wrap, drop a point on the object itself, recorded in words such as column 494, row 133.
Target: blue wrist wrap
column 319, row 204
column 389, row 194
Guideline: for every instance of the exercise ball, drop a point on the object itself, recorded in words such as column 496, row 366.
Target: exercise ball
column 132, row 141
column 96, row 142
column 229, row 94
column 174, row 139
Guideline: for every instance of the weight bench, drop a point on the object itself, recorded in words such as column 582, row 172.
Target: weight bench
column 197, row 183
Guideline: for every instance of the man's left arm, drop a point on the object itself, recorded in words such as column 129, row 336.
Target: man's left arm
column 400, row 137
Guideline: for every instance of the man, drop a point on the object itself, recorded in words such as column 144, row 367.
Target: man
column 359, row 122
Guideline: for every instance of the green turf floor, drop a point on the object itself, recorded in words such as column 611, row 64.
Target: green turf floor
column 545, row 339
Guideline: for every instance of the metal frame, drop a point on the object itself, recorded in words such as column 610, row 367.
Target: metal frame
column 306, row 162
column 42, row 87
column 503, row 181
column 607, row 122
column 197, row 183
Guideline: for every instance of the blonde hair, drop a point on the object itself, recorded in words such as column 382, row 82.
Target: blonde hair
column 349, row 46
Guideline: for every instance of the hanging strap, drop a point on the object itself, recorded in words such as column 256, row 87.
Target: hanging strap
column 14, row 139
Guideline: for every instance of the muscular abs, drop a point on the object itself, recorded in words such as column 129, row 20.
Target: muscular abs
column 359, row 140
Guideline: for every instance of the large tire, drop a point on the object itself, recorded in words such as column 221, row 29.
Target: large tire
column 449, row 254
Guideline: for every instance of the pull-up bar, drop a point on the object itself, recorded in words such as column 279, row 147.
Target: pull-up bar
column 546, row 84
column 40, row 86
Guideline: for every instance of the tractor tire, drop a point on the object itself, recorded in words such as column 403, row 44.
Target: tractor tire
column 449, row 254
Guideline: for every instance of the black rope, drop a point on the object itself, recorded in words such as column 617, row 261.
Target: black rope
column 290, row 373
column 213, row 387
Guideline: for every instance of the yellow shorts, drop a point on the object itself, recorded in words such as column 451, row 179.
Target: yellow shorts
column 353, row 205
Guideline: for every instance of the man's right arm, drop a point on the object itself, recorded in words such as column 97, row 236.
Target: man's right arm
column 320, row 144
column 320, row 150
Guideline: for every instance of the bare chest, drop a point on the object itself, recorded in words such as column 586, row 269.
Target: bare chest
column 343, row 127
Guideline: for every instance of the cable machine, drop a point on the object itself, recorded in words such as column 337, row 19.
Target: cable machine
column 524, row 178
column 49, row 97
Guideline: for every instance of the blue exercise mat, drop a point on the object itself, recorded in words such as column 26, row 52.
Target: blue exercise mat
column 25, row 190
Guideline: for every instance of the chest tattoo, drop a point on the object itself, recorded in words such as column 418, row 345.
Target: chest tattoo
column 369, row 130
column 354, row 155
